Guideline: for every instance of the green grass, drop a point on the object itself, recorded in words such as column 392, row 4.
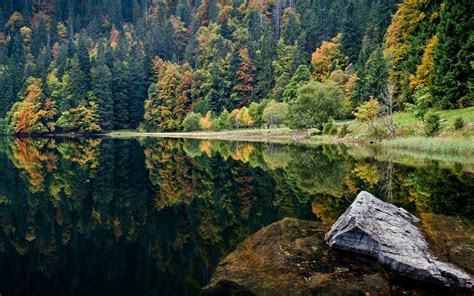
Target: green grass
column 447, row 115
column 433, row 145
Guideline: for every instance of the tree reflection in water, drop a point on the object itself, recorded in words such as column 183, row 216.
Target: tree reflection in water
column 90, row 216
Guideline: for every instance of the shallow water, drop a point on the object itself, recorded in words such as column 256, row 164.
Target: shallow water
column 156, row 216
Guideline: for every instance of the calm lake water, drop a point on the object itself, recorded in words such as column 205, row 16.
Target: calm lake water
column 156, row 216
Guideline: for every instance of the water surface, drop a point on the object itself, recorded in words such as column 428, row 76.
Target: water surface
column 100, row 216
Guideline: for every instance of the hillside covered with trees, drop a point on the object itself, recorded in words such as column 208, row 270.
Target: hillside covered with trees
column 96, row 66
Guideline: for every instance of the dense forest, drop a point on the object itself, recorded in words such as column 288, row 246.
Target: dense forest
column 101, row 65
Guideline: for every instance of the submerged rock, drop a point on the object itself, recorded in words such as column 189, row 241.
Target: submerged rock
column 379, row 229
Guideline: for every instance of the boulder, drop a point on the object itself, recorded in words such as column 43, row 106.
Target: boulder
column 290, row 257
column 379, row 229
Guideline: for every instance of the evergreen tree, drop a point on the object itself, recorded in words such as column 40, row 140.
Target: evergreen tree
column 373, row 80
column 119, row 90
column 78, row 81
column 101, row 88
column 451, row 82
column 137, row 86
column 301, row 76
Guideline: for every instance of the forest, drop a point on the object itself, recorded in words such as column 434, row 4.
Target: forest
column 95, row 66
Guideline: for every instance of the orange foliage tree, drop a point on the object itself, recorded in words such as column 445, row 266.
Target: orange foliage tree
column 34, row 114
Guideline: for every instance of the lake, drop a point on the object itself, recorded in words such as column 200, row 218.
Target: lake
column 100, row 216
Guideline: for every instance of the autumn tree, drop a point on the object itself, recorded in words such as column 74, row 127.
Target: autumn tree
column 34, row 113
column 244, row 87
column 327, row 59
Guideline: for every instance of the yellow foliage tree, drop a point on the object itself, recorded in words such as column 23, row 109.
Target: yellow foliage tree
column 367, row 112
column 424, row 69
column 236, row 118
column 206, row 121
column 328, row 58
column 245, row 117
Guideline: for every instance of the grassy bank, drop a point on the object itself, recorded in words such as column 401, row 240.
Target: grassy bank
column 433, row 145
column 411, row 136
column 274, row 135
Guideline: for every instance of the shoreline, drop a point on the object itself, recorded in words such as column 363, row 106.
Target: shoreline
column 276, row 135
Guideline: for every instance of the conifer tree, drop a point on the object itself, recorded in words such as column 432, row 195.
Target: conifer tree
column 101, row 88
column 137, row 86
column 453, row 68
column 119, row 89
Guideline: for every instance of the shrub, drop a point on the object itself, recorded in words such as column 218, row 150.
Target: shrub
column 328, row 126
column 275, row 113
column 458, row 123
column 192, row 122
column 344, row 130
column 315, row 104
column 432, row 124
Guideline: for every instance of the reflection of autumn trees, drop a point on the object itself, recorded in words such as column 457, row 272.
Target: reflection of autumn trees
column 179, row 206
column 28, row 155
column 331, row 178
column 40, row 157
column 170, row 172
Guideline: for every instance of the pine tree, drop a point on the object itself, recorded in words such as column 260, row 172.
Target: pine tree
column 137, row 88
column 374, row 78
column 301, row 76
column 454, row 55
column 78, row 81
column 101, row 88
column 119, row 90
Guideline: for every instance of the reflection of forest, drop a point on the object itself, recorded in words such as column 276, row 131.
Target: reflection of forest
column 75, row 210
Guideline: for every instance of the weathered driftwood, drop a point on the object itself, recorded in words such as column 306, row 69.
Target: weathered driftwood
column 379, row 229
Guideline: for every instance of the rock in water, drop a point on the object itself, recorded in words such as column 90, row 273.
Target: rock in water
column 379, row 229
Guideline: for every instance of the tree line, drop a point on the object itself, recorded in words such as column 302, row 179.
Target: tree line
column 95, row 66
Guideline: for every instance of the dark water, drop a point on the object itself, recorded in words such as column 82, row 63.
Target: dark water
column 155, row 216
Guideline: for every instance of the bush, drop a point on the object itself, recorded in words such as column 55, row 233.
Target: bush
column 315, row 104
column 192, row 122
column 328, row 127
column 275, row 113
column 432, row 124
column 344, row 130
column 458, row 123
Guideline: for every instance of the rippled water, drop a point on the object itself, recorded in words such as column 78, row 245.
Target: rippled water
column 156, row 216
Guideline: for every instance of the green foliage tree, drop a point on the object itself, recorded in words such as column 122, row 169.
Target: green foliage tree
column 315, row 104
column 224, row 121
column 301, row 76
column 275, row 113
column 192, row 122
